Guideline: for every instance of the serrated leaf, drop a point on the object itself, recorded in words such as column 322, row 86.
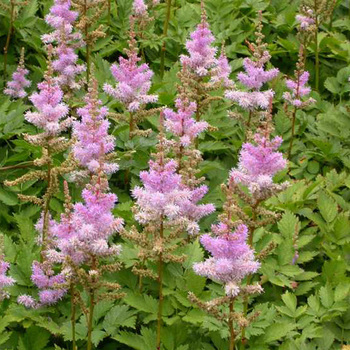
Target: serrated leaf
column 143, row 302
column 7, row 197
column 119, row 316
column 341, row 291
column 327, row 206
column 326, row 296
column 290, row 300
column 277, row 331
column 30, row 340
column 97, row 336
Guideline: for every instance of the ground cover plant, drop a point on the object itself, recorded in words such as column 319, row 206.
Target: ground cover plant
column 174, row 175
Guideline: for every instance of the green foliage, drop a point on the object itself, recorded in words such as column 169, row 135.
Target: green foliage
column 305, row 305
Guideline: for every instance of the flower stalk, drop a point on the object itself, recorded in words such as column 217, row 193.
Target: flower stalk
column 165, row 33
column 8, row 37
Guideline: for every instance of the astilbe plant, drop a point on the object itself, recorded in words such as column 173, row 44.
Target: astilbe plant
column 297, row 98
column 16, row 87
column 133, row 82
column 185, row 129
column 252, row 182
column 89, row 13
column 232, row 259
column 168, row 210
column 313, row 13
column 79, row 242
column 201, row 72
column 66, row 40
column 253, row 79
column 51, row 118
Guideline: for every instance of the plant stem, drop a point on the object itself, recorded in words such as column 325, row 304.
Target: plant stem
column 317, row 58
column 249, row 278
column 91, row 313
column 230, row 323
column 7, row 44
column 293, row 132
column 73, row 312
column 109, row 13
column 165, row 33
column 160, row 291
column 17, row 166
column 131, row 126
column 91, row 308
column 86, row 33
column 47, row 198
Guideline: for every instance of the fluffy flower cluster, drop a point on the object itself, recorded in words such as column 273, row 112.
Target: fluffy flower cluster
column 133, row 81
column 255, row 75
column 252, row 99
column 221, row 72
column 232, row 258
column 93, row 141
column 182, row 123
column 258, row 164
column 254, row 78
column 139, row 7
column 201, row 54
column 62, row 18
column 305, row 20
column 298, row 90
column 163, row 195
column 85, row 231
column 50, row 107
column 5, row 281
column 52, row 287
column 16, row 87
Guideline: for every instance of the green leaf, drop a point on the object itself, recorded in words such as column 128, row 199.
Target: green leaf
column 290, row 300
column 277, row 331
column 327, row 296
column 30, row 340
column 194, row 253
column 119, row 316
column 194, row 283
column 143, row 302
column 97, row 336
column 332, row 85
column 327, row 206
column 7, row 197
column 341, row 291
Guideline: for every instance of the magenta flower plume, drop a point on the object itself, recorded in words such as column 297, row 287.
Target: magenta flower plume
column 201, row 56
column 16, row 87
column 255, row 75
column 182, row 123
column 161, row 195
column 133, row 80
column 254, row 78
column 221, row 73
column 232, row 258
column 139, row 7
column 5, row 281
column 52, row 287
column 93, row 142
column 50, row 108
column 305, row 20
column 62, row 18
column 298, row 90
column 86, row 230
column 258, row 164
column 164, row 196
